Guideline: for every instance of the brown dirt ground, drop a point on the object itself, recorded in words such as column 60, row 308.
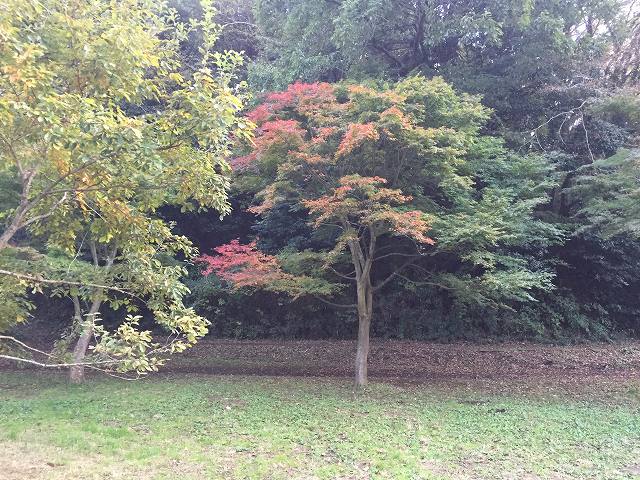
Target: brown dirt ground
column 408, row 359
column 598, row 371
column 411, row 362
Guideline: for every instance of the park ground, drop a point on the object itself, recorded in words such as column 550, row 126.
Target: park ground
column 287, row 410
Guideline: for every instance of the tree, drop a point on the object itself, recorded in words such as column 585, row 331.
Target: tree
column 610, row 197
column 364, row 213
column 623, row 65
column 397, row 184
column 490, row 47
column 100, row 125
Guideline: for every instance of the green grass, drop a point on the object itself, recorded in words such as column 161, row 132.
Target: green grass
column 283, row 428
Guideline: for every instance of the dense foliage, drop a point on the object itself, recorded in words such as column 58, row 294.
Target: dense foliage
column 100, row 125
column 560, row 79
column 395, row 184
column 476, row 161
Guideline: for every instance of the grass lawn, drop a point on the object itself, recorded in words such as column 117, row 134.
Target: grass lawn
column 201, row 427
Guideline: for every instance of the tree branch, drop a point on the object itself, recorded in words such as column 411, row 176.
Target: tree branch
column 434, row 284
column 341, row 305
column 31, row 278
column 342, row 275
column 58, row 365
column 392, row 276
column 45, row 215
column 413, row 255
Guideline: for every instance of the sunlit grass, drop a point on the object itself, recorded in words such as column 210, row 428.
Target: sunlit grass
column 255, row 428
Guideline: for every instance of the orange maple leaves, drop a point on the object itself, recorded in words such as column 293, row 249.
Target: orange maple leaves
column 356, row 135
column 271, row 133
column 318, row 105
column 306, row 98
column 363, row 201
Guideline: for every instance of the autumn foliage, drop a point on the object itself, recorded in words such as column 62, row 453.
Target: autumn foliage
column 241, row 265
column 393, row 184
column 306, row 98
column 356, row 135
column 362, row 201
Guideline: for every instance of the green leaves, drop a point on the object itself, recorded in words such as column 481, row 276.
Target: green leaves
column 402, row 168
column 611, row 194
column 101, row 125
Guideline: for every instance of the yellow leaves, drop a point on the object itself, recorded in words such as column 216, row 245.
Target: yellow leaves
column 136, row 132
column 13, row 73
column 61, row 159
column 84, row 182
column 111, row 167
column 28, row 52
column 81, row 202
column 176, row 77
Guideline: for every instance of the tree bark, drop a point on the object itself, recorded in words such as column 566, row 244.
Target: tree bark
column 76, row 373
column 365, row 313
column 13, row 227
column 17, row 221
column 7, row 235
column 362, row 259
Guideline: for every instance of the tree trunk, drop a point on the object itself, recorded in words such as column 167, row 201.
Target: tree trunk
column 365, row 313
column 362, row 263
column 76, row 373
column 10, row 231
column 17, row 222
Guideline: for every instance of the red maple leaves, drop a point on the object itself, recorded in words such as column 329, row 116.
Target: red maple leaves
column 270, row 133
column 307, row 117
column 306, row 98
column 242, row 265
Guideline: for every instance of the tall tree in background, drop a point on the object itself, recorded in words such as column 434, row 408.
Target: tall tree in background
column 100, row 125
column 549, row 69
column 611, row 196
column 397, row 184
column 237, row 30
column 508, row 50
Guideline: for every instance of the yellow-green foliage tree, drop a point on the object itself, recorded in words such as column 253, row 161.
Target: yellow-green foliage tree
column 101, row 123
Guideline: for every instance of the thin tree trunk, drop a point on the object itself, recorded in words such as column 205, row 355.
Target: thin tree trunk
column 363, row 261
column 365, row 313
column 7, row 235
column 12, row 229
column 76, row 373
column 17, row 222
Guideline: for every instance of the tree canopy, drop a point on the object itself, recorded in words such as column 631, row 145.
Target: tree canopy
column 446, row 169
column 100, row 125
column 400, row 179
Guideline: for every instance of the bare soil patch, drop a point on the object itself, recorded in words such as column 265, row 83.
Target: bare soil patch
column 410, row 360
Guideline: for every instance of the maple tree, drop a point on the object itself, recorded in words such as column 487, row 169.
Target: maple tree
column 393, row 182
column 101, row 124
column 242, row 265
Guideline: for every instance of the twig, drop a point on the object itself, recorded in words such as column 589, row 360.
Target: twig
column 31, row 278
column 58, row 365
